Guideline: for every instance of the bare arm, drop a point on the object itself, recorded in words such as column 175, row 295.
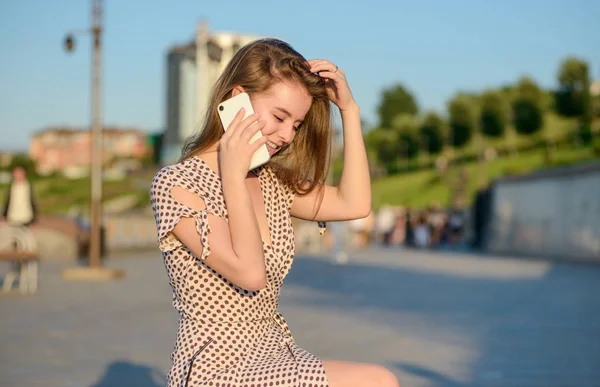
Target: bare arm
column 352, row 199
column 236, row 249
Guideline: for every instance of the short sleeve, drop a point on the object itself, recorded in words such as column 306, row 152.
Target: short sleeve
column 168, row 211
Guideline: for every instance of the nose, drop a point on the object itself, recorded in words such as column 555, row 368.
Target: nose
column 287, row 134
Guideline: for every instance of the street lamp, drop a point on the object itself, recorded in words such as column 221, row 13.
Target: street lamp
column 95, row 271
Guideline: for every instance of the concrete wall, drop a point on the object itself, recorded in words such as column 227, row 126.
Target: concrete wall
column 58, row 238
column 552, row 214
column 125, row 232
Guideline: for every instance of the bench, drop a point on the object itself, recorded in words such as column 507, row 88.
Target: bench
column 18, row 246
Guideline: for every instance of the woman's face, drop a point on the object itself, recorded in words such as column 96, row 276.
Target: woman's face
column 282, row 108
column 19, row 174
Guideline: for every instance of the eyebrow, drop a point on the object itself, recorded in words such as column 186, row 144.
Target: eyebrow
column 287, row 113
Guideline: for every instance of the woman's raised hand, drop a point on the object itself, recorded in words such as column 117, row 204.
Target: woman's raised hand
column 335, row 79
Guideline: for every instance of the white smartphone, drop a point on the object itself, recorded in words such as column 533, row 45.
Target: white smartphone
column 227, row 112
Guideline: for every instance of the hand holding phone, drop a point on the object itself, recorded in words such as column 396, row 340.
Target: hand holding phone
column 228, row 112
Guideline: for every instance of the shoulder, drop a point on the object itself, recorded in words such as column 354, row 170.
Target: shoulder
column 163, row 178
column 190, row 174
column 277, row 178
column 184, row 171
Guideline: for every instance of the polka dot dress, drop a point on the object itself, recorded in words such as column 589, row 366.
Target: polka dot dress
column 228, row 336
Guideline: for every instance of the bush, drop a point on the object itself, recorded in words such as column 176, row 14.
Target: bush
column 586, row 135
column 596, row 146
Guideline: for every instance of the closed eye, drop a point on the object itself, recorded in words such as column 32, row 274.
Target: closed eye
column 279, row 119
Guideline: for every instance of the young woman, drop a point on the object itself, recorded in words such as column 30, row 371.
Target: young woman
column 226, row 232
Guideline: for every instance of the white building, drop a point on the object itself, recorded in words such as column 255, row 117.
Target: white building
column 192, row 70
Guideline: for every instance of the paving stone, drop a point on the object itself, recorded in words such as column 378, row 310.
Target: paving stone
column 434, row 319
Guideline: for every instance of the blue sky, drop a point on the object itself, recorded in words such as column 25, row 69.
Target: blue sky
column 435, row 47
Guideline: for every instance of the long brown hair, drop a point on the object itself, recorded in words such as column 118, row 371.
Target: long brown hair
column 303, row 164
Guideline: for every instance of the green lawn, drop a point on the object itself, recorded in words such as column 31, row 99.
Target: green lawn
column 418, row 189
column 56, row 195
column 555, row 128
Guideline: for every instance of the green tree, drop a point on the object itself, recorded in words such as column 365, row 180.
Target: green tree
column 528, row 89
column 431, row 129
column 395, row 100
column 493, row 114
column 595, row 96
column 384, row 143
column 461, row 119
column 527, row 113
column 573, row 94
column 407, row 140
column 23, row 161
column 596, row 106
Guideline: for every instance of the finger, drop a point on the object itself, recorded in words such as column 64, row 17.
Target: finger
column 316, row 67
column 322, row 64
column 316, row 63
column 234, row 123
column 325, row 67
column 246, row 122
column 251, row 131
column 258, row 143
column 336, row 77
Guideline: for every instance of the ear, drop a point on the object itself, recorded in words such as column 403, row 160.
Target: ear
column 237, row 90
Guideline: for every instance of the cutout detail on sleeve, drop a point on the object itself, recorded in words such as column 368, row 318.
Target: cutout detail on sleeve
column 168, row 212
column 203, row 229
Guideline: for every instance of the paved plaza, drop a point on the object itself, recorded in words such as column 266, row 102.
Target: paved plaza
column 440, row 320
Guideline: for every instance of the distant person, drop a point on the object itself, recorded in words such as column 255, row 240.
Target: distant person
column 435, row 219
column 409, row 238
column 226, row 232
column 397, row 237
column 19, row 205
column 384, row 223
column 422, row 232
column 456, row 224
column 339, row 242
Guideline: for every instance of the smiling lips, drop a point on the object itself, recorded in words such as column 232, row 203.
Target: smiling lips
column 273, row 146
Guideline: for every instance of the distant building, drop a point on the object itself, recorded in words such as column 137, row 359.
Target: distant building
column 181, row 98
column 595, row 88
column 62, row 149
column 192, row 70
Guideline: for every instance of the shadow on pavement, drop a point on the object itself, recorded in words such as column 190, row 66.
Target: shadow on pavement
column 433, row 378
column 126, row 374
column 522, row 324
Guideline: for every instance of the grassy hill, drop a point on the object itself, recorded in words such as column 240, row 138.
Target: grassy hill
column 58, row 195
column 418, row 189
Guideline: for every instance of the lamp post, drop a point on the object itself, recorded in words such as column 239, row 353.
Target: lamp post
column 95, row 31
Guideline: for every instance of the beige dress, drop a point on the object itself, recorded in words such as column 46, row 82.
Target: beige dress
column 228, row 336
